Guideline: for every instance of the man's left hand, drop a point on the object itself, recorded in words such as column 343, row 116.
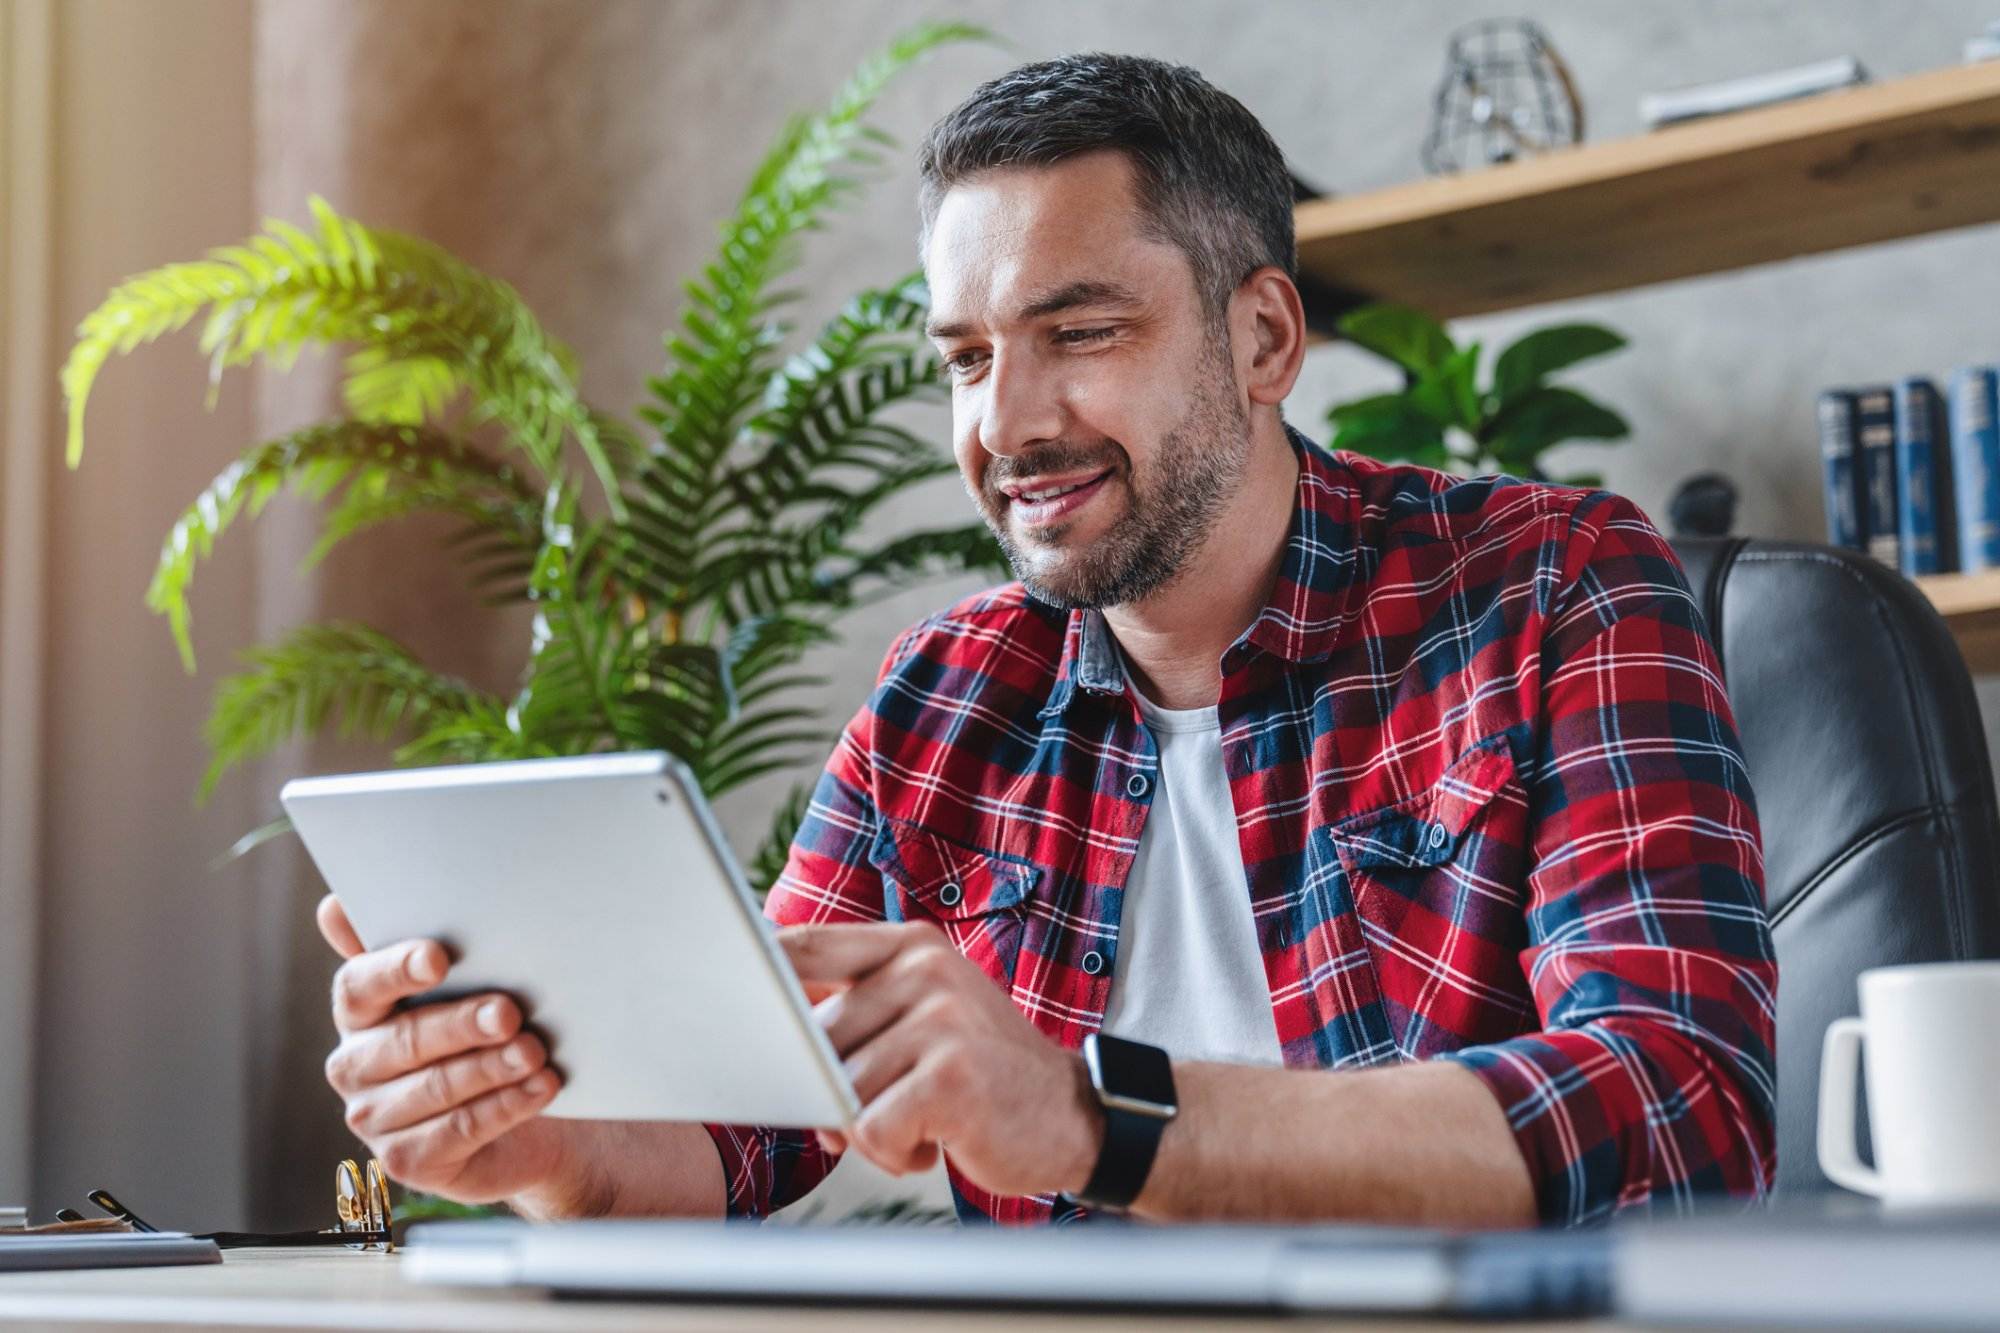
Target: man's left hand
column 939, row 1055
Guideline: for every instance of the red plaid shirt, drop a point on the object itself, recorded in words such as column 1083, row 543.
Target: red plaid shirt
column 1492, row 809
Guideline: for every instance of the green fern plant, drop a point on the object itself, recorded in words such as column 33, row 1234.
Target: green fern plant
column 726, row 540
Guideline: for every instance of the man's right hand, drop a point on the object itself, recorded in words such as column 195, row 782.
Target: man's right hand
column 448, row 1096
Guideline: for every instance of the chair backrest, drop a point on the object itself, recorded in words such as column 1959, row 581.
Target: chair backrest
column 1874, row 790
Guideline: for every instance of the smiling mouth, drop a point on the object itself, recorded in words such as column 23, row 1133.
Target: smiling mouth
column 1039, row 504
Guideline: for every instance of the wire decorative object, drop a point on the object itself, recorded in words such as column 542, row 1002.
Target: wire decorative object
column 1505, row 94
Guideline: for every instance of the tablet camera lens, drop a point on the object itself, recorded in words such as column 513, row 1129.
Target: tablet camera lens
column 666, row 798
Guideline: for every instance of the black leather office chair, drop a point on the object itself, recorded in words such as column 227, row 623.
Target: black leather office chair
column 1881, row 836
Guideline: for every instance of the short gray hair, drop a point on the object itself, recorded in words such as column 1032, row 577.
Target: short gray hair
column 1211, row 180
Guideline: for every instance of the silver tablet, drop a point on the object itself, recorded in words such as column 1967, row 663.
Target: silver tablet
column 600, row 893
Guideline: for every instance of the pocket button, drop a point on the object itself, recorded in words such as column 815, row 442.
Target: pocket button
column 1137, row 786
column 1093, row 962
column 1439, row 835
column 950, row 894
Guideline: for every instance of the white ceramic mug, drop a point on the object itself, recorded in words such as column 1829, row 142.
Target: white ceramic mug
column 1932, row 1032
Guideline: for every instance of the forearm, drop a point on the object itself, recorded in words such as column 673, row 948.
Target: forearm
column 630, row 1168
column 1417, row 1144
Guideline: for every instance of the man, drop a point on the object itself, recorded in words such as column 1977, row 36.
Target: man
column 1404, row 813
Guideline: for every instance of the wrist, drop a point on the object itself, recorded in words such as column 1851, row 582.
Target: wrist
column 1133, row 1084
column 578, row 1186
column 1086, row 1143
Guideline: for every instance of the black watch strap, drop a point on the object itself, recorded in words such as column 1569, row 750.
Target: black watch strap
column 1135, row 1089
column 1131, row 1141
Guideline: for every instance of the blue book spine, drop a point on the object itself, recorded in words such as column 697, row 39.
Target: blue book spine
column 1875, row 447
column 1975, row 464
column 1925, row 543
column 1838, row 464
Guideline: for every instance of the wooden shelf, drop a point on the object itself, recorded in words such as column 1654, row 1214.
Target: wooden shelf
column 1970, row 605
column 1845, row 168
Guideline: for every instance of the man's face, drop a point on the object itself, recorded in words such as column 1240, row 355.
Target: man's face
column 1095, row 407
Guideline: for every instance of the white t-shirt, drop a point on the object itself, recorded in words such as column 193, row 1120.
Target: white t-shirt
column 1188, row 976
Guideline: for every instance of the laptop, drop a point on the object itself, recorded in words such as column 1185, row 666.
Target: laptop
column 1099, row 1265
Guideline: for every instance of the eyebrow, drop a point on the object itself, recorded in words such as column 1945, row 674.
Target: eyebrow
column 1069, row 296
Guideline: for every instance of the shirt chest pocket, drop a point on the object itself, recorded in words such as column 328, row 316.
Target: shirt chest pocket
column 978, row 898
column 1437, row 881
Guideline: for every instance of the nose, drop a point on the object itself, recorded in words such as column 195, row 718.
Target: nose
column 1020, row 406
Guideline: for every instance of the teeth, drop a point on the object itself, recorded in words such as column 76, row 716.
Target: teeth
column 1037, row 496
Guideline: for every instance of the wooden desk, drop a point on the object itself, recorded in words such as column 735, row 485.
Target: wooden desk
column 345, row 1289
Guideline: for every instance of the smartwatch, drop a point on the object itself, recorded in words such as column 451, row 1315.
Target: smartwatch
column 1135, row 1087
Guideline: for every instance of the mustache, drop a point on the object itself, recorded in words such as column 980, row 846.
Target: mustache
column 1049, row 460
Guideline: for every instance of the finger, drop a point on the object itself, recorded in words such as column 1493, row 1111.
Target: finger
column 432, row 1149
column 832, row 1141
column 888, row 1057
column 437, row 1088
column 367, row 986
column 851, row 1018
column 409, row 1042
column 334, row 925
column 840, row 955
column 894, row 1131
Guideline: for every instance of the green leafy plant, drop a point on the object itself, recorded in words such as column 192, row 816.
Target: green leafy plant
column 719, row 544
column 1443, row 418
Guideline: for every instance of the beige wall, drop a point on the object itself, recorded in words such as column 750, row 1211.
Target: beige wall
column 583, row 151
column 145, row 988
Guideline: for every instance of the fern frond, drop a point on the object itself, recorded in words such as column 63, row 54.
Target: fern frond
column 350, row 675
column 822, row 410
column 320, row 458
column 914, row 557
column 729, row 338
column 428, row 323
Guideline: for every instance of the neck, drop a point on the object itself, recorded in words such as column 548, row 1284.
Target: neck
column 1173, row 641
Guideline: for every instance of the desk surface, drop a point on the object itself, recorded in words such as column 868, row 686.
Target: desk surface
column 349, row 1290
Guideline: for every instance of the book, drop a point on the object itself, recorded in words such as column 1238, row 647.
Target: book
column 1837, row 463
column 1875, row 452
column 1782, row 85
column 1975, row 464
column 1925, row 541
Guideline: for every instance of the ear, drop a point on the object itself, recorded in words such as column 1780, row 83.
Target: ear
column 1267, row 324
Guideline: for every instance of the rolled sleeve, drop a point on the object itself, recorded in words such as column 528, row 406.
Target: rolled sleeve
column 1648, row 948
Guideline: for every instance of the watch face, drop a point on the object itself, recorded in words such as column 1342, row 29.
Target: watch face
column 1132, row 1071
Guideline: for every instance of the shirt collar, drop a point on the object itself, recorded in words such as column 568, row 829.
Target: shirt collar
column 1307, row 610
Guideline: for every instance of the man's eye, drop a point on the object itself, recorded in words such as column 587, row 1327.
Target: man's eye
column 1074, row 336
column 960, row 364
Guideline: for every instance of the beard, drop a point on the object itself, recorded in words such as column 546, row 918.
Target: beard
column 1169, row 515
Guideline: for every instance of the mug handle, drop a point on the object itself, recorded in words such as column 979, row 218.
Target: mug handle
column 1840, row 1059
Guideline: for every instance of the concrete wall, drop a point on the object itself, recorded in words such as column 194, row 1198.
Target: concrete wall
column 583, row 151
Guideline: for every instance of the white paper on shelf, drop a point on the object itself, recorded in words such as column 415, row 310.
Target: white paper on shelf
column 1782, row 85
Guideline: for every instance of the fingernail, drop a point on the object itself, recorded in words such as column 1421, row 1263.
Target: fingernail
column 423, row 965
column 489, row 1018
column 541, row 1084
column 517, row 1055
